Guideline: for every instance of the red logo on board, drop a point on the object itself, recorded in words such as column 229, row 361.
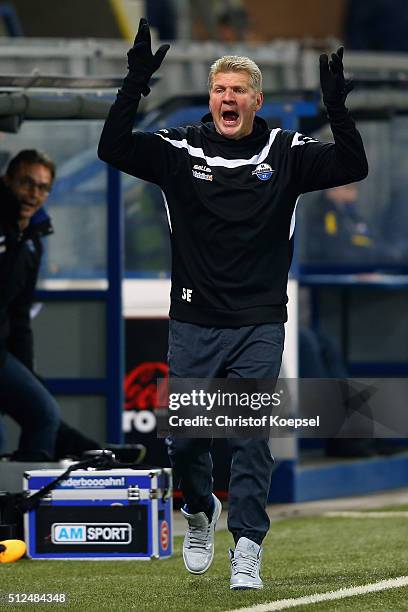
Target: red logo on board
column 164, row 535
column 140, row 385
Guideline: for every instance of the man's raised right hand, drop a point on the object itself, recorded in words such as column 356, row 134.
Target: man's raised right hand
column 141, row 61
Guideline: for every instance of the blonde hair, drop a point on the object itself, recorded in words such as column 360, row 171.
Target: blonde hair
column 235, row 63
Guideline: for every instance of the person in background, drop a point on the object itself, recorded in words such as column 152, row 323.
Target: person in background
column 23, row 396
column 377, row 25
column 336, row 231
column 162, row 15
column 222, row 20
column 23, row 225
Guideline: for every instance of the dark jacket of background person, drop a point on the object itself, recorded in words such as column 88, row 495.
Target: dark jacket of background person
column 20, row 258
column 377, row 25
column 336, row 232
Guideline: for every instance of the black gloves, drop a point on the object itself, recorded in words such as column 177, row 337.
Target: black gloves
column 334, row 86
column 141, row 61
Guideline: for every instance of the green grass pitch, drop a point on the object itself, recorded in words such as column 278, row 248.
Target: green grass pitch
column 302, row 556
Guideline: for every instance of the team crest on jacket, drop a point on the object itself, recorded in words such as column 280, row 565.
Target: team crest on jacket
column 263, row 172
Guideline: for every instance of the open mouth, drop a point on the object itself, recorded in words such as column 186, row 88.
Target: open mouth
column 27, row 207
column 230, row 117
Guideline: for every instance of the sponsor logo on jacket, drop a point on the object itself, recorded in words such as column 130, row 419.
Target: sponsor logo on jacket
column 202, row 172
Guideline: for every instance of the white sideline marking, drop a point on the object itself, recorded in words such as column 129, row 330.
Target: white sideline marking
column 353, row 514
column 283, row 604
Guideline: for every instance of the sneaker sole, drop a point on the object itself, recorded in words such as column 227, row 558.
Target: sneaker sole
column 198, row 572
column 243, row 587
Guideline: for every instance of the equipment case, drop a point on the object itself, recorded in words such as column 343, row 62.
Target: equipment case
column 101, row 514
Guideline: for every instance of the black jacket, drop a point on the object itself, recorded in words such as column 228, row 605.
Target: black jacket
column 230, row 205
column 20, row 258
column 338, row 234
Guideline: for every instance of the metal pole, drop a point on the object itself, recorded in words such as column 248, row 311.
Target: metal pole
column 114, row 319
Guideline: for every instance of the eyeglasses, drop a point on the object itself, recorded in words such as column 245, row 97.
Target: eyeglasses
column 28, row 183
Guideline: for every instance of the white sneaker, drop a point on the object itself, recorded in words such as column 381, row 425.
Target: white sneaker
column 198, row 545
column 245, row 565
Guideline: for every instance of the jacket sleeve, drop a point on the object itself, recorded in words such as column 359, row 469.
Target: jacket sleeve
column 316, row 165
column 20, row 341
column 3, row 298
column 141, row 154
